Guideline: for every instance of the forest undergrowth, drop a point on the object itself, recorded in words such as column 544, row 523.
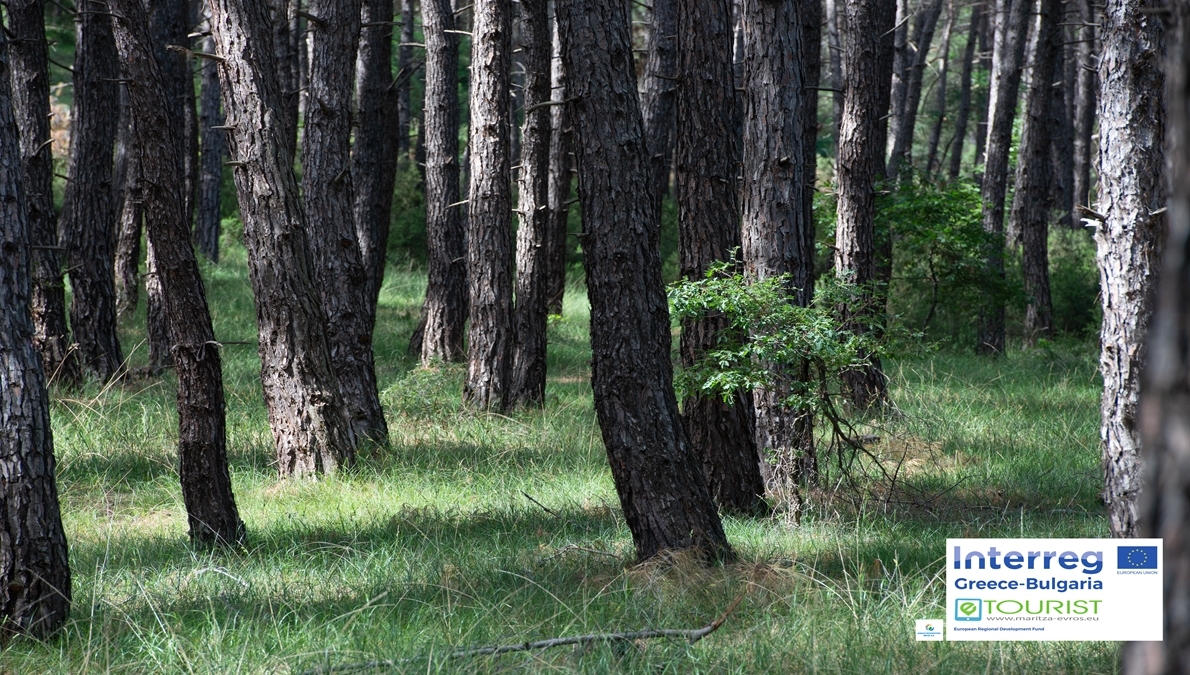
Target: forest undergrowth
column 475, row 528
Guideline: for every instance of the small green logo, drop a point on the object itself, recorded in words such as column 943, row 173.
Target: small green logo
column 968, row 609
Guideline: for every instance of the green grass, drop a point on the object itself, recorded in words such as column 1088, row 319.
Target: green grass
column 430, row 545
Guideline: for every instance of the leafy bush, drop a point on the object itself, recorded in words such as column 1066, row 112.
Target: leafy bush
column 1074, row 283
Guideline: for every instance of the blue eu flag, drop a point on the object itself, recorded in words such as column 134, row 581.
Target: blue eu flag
column 1136, row 558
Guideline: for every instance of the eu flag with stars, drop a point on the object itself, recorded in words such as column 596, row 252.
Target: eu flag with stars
column 1136, row 558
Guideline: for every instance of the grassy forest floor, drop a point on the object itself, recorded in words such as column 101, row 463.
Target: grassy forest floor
column 431, row 544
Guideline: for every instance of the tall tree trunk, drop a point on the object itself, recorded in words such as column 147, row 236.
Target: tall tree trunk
column 904, row 121
column 34, row 575
column 884, row 27
column 202, row 432
column 283, row 38
column 444, row 314
column 1085, row 105
column 834, row 45
column 964, row 113
column 561, row 171
column 1165, row 389
column 532, row 255
column 160, row 356
column 987, row 29
column 902, row 62
column 329, row 193
column 940, row 104
column 1129, row 242
column 405, row 65
column 658, row 478
column 707, row 152
column 214, row 152
column 31, row 102
column 855, row 255
column 128, row 216
column 1061, row 123
column 489, row 223
column 87, row 223
column 660, row 93
column 310, row 428
column 1011, row 28
column 1033, row 195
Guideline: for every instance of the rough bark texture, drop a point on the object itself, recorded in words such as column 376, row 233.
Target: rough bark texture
column 87, row 224
column 34, row 575
column 964, row 112
column 169, row 23
column 214, row 153
column 903, row 121
column 31, row 107
column 283, row 37
column 1011, row 29
column 202, row 436
column 834, row 45
column 721, row 434
column 658, row 478
column 128, row 216
column 561, row 171
column 1129, row 242
column 328, row 188
column 404, row 65
column 1084, row 104
column 659, row 97
column 160, row 356
column 858, row 165
column 1061, row 131
column 940, row 102
column 532, row 254
column 489, row 222
column 1033, row 194
column 444, row 314
column 309, row 426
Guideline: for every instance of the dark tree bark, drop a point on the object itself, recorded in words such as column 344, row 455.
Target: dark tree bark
column 904, row 120
column 1033, row 194
column 532, row 254
column 214, row 152
column 561, row 170
column 489, row 222
column 858, row 169
column 1085, row 104
column 964, row 112
column 160, row 353
column 444, row 314
column 834, row 45
column 660, row 94
column 202, row 435
column 285, row 40
column 1130, row 240
column 1011, row 29
column 940, row 103
column 309, row 425
column 128, row 217
column 87, row 223
column 885, row 21
column 987, row 29
column 707, row 153
column 1061, row 130
column 31, row 105
column 329, row 192
column 34, row 574
column 404, row 65
column 658, row 478
column 1164, row 424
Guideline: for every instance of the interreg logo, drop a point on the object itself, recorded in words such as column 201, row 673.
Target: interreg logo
column 968, row 609
column 1136, row 558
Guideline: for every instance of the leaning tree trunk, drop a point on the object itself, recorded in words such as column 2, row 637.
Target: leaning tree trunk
column 489, row 222
column 940, row 103
column 214, row 152
column 34, row 575
column 88, row 215
column 309, row 425
column 904, row 121
column 661, row 487
column 721, row 434
column 330, row 213
column 1084, row 104
column 1011, row 28
column 532, row 254
column 1129, row 240
column 858, row 168
column 1165, row 389
column 560, row 175
column 202, row 430
column 444, row 314
column 1033, row 193
column 964, row 112
column 31, row 103
column 660, row 93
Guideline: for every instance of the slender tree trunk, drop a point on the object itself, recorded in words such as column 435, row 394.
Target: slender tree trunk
column 1085, row 105
column 532, row 255
column 1061, row 126
column 282, row 36
column 128, row 216
column 658, row 478
column 940, row 104
column 561, row 170
column 202, row 442
column 904, row 123
column 444, row 314
column 405, row 65
column 214, row 153
column 885, row 21
column 855, row 255
column 87, row 223
column 834, row 45
column 34, row 574
column 1130, row 240
column 964, row 113
column 160, row 356
column 987, row 29
column 707, row 152
column 1034, row 189
column 1011, row 28
column 489, row 223
column 310, row 428
column 902, row 63
column 31, row 102
column 660, row 93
